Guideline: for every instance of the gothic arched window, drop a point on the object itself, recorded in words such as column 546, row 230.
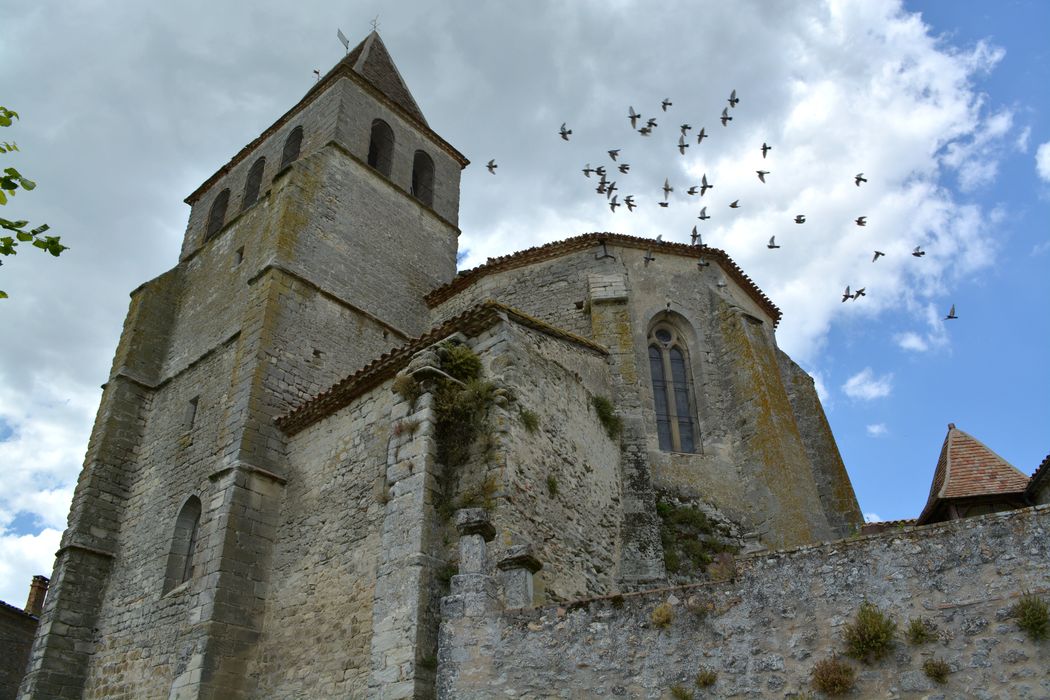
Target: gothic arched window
column 290, row 154
column 217, row 214
column 381, row 147
column 672, row 389
column 423, row 178
column 251, row 185
column 180, row 566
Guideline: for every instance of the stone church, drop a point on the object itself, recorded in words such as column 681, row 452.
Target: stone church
column 305, row 409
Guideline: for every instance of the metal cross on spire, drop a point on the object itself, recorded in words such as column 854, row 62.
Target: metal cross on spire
column 375, row 24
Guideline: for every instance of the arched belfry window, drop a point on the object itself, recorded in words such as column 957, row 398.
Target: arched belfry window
column 251, row 185
column 217, row 214
column 672, row 389
column 423, row 178
column 290, row 154
column 381, row 147
column 181, row 563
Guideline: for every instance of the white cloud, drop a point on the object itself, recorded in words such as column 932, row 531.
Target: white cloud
column 1042, row 161
column 877, row 430
column 865, row 386
column 25, row 556
column 1022, row 139
column 872, row 518
column 911, row 341
column 1040, row 248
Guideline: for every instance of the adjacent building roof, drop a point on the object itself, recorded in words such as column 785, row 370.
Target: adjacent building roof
column 369, row 64
column 1041, row 474
column 471, row 322
column 967, row 468
column 548, row 251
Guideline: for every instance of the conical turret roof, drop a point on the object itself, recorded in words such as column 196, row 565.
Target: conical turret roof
column 371, row 60
column 967, row 468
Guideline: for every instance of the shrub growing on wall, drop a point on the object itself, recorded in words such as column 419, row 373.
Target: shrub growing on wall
column 870, row 636
column 833, row 676
column 1032, row 616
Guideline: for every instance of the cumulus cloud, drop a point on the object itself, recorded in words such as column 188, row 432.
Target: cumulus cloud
column 1042, row 161
column 873, row 518
column 865, row 386
column 877, row 430
column 25, row 556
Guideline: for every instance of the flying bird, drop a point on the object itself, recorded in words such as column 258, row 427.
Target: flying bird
column 666, row 103
column 613, row 204
column 696, row 237
column 587, row 170
column 651, row 122
column 663, row 204
column 701, row 263
column 645, row 130
column 951, row 314
column 685, row 128
column 704, row 187
column 732, row 99
column 800, row 219
column 846, row 295
column 725, row 116
column 629, row 201
column 693, row 190
column 766, row 148
column 623, row 167
column 735, row 204
column 610, row 188
column 600, row 189
column 613, row 153
column 858, row 294
column 700, row 136
column 918, row 252
column 564, row 132
column 859, row 178
column 491, row 165
column 667, row 188
column 862, row 221
column 878, row 254
column 703, row 214
column 772, row 243
column 682, row 145
column 762, row 174
column 648, row 257
column 633, row 116
column 600, row 170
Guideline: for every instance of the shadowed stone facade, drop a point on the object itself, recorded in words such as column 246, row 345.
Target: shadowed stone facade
column 263, row 378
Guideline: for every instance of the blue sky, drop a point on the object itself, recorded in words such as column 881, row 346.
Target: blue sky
column 127, row 107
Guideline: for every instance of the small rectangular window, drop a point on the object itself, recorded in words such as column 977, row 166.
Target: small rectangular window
column 191, row 413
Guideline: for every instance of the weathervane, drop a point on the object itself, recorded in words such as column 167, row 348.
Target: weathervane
column 375, row 24
column 343, row 40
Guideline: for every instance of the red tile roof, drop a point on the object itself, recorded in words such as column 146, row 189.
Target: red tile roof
column 1041, row 473
column 966, row 468
column 529, row 256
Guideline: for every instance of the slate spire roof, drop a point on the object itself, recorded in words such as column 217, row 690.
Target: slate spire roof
column 371, row 60
column 967, row 468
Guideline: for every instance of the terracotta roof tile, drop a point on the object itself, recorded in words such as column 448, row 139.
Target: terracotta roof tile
column 966, row 468
column 548, row 251
column 1041, row 473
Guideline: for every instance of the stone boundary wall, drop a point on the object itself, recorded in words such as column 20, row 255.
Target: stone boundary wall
column 762, row 633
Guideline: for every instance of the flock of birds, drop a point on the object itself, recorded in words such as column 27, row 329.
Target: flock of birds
column 609, row 187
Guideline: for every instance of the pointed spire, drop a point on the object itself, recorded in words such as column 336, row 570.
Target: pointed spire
column 966, row 468
column 371, row 60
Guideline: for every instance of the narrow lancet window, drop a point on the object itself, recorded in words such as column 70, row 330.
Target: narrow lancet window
column 291, row 147
column 423, row 178
column 251, row 185
column 181, row 565
column 672, row 390
column 381, row 147
column 217, row 214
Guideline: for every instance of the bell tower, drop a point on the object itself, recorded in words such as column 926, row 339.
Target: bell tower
column 306, row 256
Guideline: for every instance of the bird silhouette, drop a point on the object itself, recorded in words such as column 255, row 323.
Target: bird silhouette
column 610, row 188
column 701, row 263
column 693, row 190
column 648, row 257
column 613, row 204
column 918, row 252
column 762, row 174
column 600, row 189
column 682, row 145
column 491, row 165
column 732, row 99
column 858, row 294
column 951, row 314
column 695, row 236
column 846, row 295
column 629, row 202
column 703, row 214
column 700, row 136
column 623, row 167
column 766, row 148
column 663, row 204
column 587, row 170
column 878, row 254
column 645, row 130
column 633, row 116
column 651, row 122
column 685, row 128
column 666, row 103
column 564, row 132
column 859, row 178
column 861, row 221
column 667, row 187
column 800, row 219
column 725, row 117
column 704, row 187
column 772, row 243
column 600, row 170
column 735, row 204
column 613, row 153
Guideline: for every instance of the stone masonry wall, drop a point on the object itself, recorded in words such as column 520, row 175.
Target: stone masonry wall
column 762, row 633
column 16, row 638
